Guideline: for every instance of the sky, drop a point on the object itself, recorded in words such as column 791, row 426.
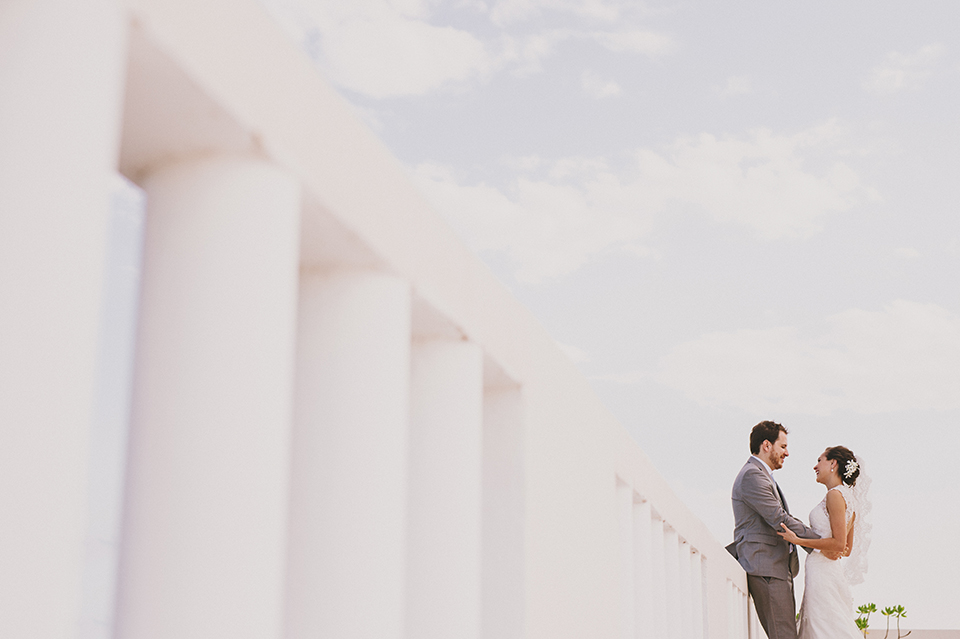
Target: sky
column 722, row 212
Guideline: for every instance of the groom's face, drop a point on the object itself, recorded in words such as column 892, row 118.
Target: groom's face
column 778, row 452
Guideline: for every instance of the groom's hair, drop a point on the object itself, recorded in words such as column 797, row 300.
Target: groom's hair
column 765, row 432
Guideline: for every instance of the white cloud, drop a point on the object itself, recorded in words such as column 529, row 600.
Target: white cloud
column 547, row 227
column 575, row 354
column 401, row 56
column 737, row 85
column 904, row 71
column 762, row 182
column 505, row 12
column 649, row 43
column 557, row 215
column 388, row 48
column 384, row 48
column 597, row 87
column 904, row 357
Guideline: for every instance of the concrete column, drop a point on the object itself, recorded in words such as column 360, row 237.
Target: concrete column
column 696, row 580
column 658, row 574
column 686, row 591
column 345, row 568
column 671, row 545
column 627, row 561
column 204, row 529
column 503, row 589
column 443, row 576
column 643, row 569
column 61, row 74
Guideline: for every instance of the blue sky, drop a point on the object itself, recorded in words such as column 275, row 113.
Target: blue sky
column 723, row 212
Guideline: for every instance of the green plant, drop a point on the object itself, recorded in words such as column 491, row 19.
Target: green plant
column 863, row 620
column 896, row 612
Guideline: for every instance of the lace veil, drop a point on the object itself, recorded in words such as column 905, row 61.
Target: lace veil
column 855, row 566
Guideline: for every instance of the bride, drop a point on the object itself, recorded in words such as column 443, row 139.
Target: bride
column 840, row 519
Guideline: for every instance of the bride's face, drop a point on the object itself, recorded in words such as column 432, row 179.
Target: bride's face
column 824, row 468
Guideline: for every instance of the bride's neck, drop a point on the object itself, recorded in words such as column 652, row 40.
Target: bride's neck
column 832, row 483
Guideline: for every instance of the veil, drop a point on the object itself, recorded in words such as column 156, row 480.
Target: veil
column 855, row 566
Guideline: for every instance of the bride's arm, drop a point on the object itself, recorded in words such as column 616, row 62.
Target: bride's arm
column 837, row 509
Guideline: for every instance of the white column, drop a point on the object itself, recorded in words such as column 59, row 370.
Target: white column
column 204, row 527
column 658, row 574
column 686, row 592
column 503, row 590
column 671, row 545
column 345, row 568
column 61, row 74
column 643, row 569
column 627, row 561
column 443, row 578
column 696, row 580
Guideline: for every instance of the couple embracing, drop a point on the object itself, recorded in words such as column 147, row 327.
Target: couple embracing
column 766, row 537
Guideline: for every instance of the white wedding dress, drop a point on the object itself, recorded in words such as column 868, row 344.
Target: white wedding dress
column 827, row 609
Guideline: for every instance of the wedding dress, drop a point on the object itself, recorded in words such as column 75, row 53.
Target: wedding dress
column 827, row 609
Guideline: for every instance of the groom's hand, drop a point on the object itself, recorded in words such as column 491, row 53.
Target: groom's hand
column 831, row 554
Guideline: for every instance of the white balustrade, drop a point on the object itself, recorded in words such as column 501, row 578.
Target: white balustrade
column 628, row 560
column 658, row 562
column 204, row 527
column 643, row 569
column 302, row 461
column 61, row 77
column 444, row 500
column 686, row 591
column 503, row 580
column 347, row 539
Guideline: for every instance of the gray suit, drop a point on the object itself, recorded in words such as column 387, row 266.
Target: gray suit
column 770, row 562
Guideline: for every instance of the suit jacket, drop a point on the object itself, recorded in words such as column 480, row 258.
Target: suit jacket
column 758, row 509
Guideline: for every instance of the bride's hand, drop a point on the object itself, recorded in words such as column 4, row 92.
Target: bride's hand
column 788, row 534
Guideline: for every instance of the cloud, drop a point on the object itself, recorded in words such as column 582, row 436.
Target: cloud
column 545, row 226
column 390, row 48
column 901, row 72
column 384, row 48
column 554, row 216
column 505, row 12
column 402, row 57
column 907, row 252
column 766, row 182
column 903, row 357
column 737, row 85
column 574, row 354
column 596, row 87
column 642, row 41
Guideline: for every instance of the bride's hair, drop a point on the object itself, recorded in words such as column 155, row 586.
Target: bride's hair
column 843, row 456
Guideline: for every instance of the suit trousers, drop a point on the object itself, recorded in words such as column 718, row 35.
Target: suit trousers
column 776, row 605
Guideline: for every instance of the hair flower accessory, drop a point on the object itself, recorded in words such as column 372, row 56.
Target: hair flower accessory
column 851, row 467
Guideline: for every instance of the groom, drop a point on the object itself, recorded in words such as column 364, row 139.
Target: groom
column 759, row 508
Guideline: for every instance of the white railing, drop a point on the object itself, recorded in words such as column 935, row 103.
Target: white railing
column 341, row 424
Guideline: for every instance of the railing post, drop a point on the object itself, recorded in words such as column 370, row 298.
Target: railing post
column 686, row 591
column 643, row 569
column 204, row 525
column 696, row 578
column 674, row 610
column 444, row 501
column 627, row 561
column 345, row 565
column 659, row 577
column 503, row 593
column 62, row 67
